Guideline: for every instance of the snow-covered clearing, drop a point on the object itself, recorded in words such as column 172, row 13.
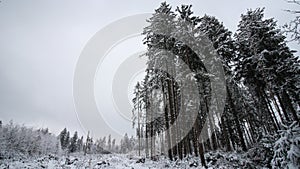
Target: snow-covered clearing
column 127, row 161
column 108, row 161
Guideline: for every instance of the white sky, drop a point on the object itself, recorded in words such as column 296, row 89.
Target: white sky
column 42, row 40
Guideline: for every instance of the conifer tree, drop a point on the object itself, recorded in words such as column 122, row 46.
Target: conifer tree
column 73, row 143
column 62, row 138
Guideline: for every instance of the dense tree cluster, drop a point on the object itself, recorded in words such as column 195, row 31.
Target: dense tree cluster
column 20, row 141
column 261, row 81
column 88, row 146
column 70, row 144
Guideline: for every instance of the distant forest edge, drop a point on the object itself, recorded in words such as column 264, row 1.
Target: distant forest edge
column 261, row 112
column 22, row 142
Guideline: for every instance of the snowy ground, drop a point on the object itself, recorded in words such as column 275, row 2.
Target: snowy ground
column 112, row 161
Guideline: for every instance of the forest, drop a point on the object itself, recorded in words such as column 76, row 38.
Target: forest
column 260, row 112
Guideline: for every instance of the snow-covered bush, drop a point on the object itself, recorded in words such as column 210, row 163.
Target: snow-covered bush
column 287, row 148
column 262, row 152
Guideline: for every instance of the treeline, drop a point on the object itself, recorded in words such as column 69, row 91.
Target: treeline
column 89, row 145
column 261, row 80
column 21, row 142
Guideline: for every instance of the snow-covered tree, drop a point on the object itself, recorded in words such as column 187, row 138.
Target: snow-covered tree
column 62, row 138
column 109, row 143
column 266, row 66
column 293, row 27
column 73, row 143
column 80, row 144
column 125, row 144
column 20, row 141
column 113, row 145
column 287, row 148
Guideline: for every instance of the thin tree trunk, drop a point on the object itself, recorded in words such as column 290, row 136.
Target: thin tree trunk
column 225, row 134
column 273, row 116
column 277, row 108
column 289, row 104
column 139, row 127
column 236, row 120
column 201, row 152
column 168, row 137
column 283, row 108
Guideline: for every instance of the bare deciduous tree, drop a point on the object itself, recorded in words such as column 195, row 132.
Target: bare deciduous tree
column 293, row 27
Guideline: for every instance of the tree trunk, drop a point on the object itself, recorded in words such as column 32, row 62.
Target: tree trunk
column 283, row 108
column 168, row 137
column 203, row 162
column 290, row 106
column 225, row 134
column 236, row 120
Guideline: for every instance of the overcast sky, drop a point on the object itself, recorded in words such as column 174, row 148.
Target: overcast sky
column 42, row 40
